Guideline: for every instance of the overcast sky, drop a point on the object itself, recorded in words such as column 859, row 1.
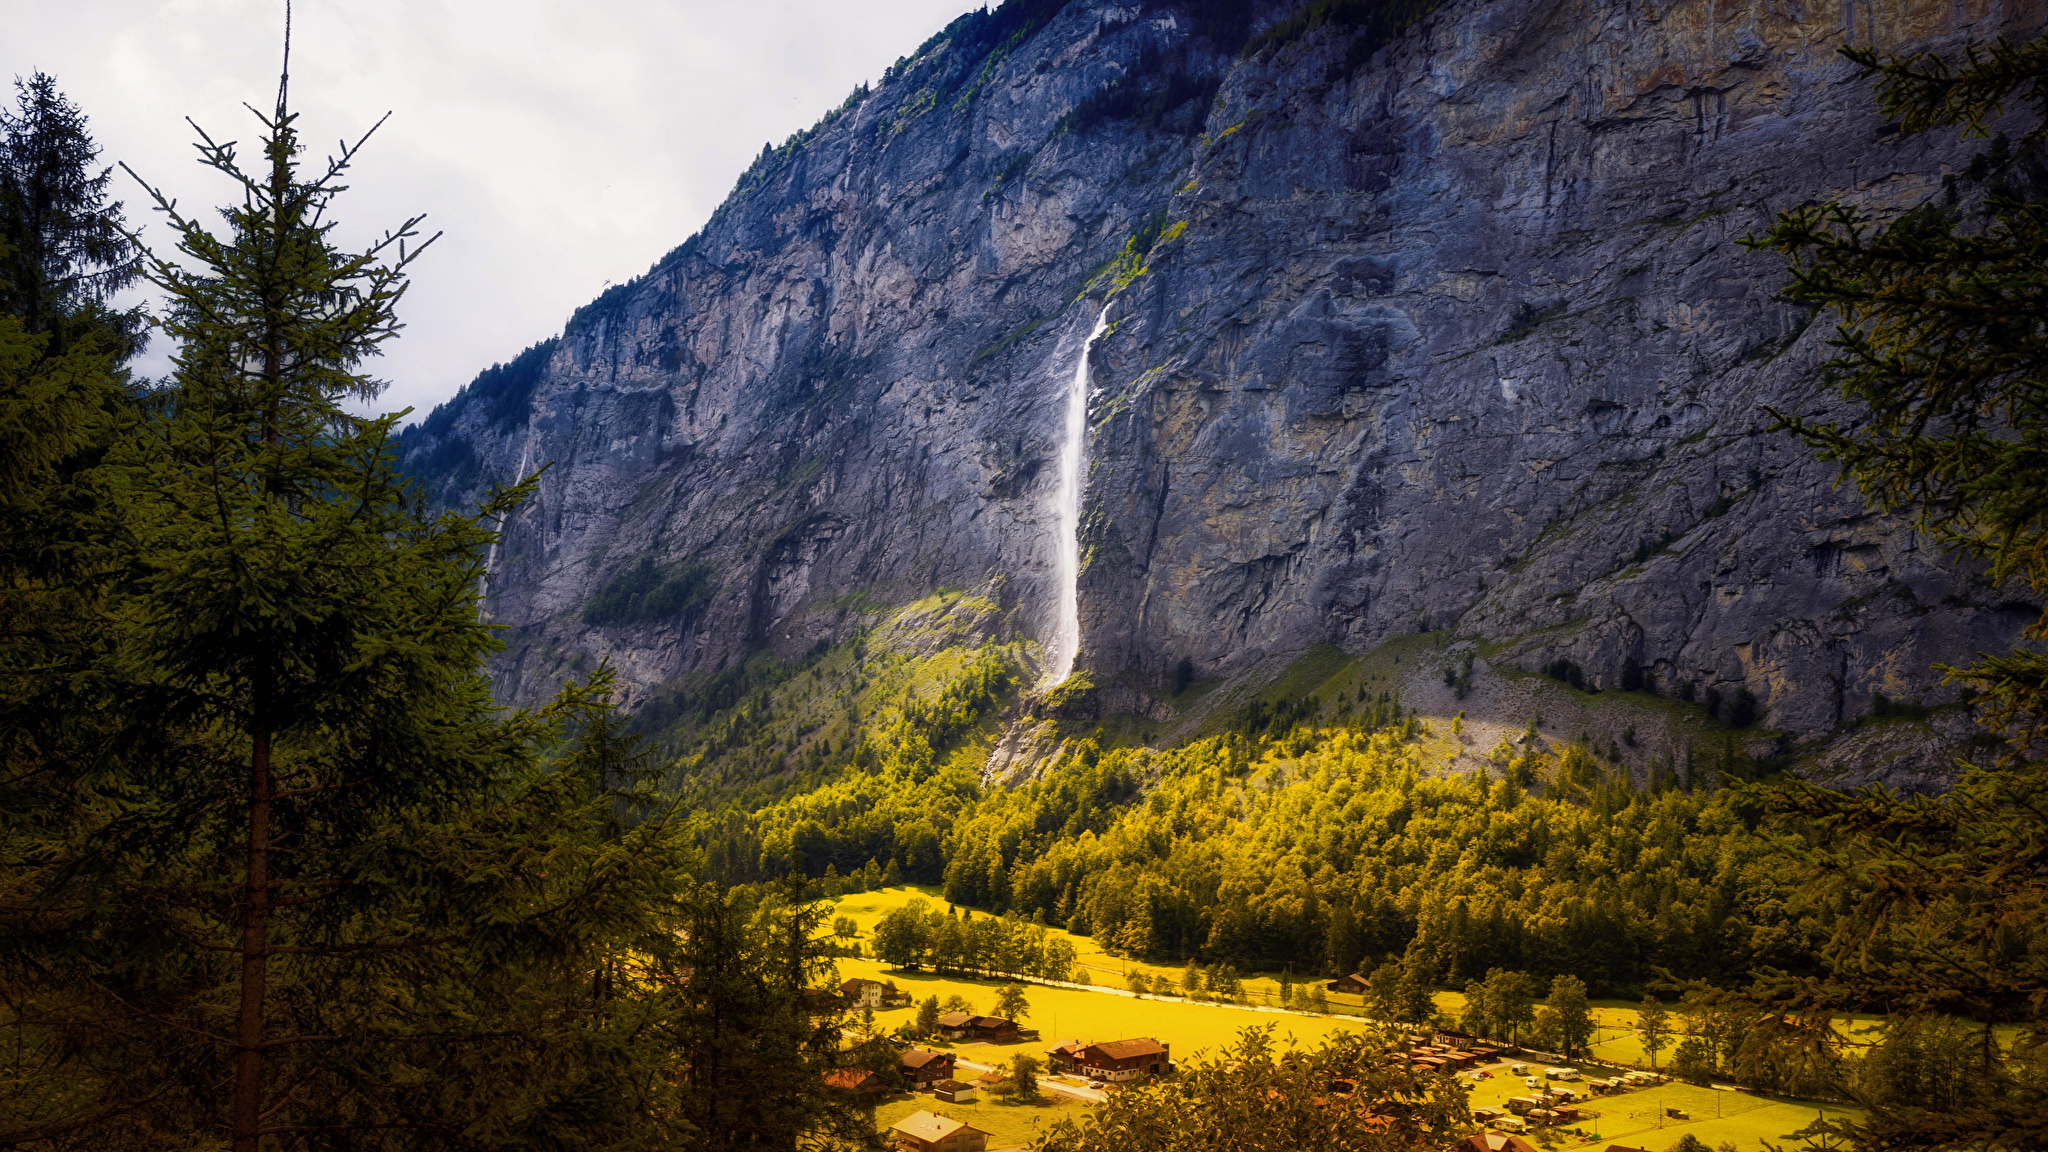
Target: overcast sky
column 559, row 146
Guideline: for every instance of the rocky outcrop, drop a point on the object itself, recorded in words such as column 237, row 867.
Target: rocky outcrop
column 1456, row 333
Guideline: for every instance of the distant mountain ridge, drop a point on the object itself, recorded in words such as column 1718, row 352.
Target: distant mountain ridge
column 1421, row 320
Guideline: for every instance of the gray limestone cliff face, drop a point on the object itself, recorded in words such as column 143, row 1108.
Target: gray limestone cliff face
column 1460, row 337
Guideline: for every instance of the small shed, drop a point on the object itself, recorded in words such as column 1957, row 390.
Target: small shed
column 1354, row 984
column 953, row 1091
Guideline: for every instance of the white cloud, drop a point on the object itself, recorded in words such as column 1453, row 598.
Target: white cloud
column 557, row 146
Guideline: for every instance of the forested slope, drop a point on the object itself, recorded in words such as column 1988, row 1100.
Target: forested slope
column 1324, row 838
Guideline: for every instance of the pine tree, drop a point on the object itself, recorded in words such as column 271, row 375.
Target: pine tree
column 63, row 248
column 294, row 878
column 1943, row 355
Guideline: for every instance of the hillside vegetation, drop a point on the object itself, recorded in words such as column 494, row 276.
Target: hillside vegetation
column 1311, row 839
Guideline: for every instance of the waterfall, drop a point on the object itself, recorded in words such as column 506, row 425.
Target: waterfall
column 1066, row 636
column 483, row 580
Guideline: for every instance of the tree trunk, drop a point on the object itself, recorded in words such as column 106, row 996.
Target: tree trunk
column 247, row 1111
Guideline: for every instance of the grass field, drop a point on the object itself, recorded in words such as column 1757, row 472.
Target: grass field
column 1104, row 970
column 1636, row 1119
column 1006, row 1124
column 1074, row 1014
column 1743, row 1119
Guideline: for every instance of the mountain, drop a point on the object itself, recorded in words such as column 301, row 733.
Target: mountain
column 1418, row 318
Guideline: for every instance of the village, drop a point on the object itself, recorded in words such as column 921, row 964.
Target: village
column 973, row 1082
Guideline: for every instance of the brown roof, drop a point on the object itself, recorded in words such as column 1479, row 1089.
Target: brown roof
column 851, row 1079
column 929, row 1127
column 856, row 984
column 1495, row 1142
column 992, row 1078
column 996, row 1022
column 919, row 1057
column 949, row 1085
column 1127, row 1049
column 954, row 1020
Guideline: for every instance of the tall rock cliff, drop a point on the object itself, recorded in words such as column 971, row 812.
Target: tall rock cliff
column 1444, row 326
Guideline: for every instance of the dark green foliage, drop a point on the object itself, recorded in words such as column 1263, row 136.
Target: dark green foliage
column 1371, row 25
column 1942, row 339
column 440, row 456
column 63, row 248
column 1157, row 91
column 649, row 592
column 1927, row 1066
column 506, row 390
column 278, row 871
column 1943, row 351
column 1742, row 711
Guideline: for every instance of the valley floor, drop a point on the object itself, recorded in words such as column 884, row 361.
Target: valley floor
column 1107, row 1011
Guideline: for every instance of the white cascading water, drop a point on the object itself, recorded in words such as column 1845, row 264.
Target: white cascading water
column 1066, row 636
column 483, row 580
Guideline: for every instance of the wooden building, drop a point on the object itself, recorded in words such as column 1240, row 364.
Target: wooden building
column 921, row 1066
column 928, row 1132
column 1117, row 1060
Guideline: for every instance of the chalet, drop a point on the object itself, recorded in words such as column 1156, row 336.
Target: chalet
column 921, row 1066
column 926, row 1132
column 1494, row 1142
column 857, row 1081
column 994, row 1029
column 1355, row 984
column 954, row 1091
column 1117, row 1060
column 858, row 993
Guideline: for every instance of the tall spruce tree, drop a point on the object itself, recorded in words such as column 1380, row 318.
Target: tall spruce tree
column 63, row 248
column 1943, row 348
column 293, row 879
